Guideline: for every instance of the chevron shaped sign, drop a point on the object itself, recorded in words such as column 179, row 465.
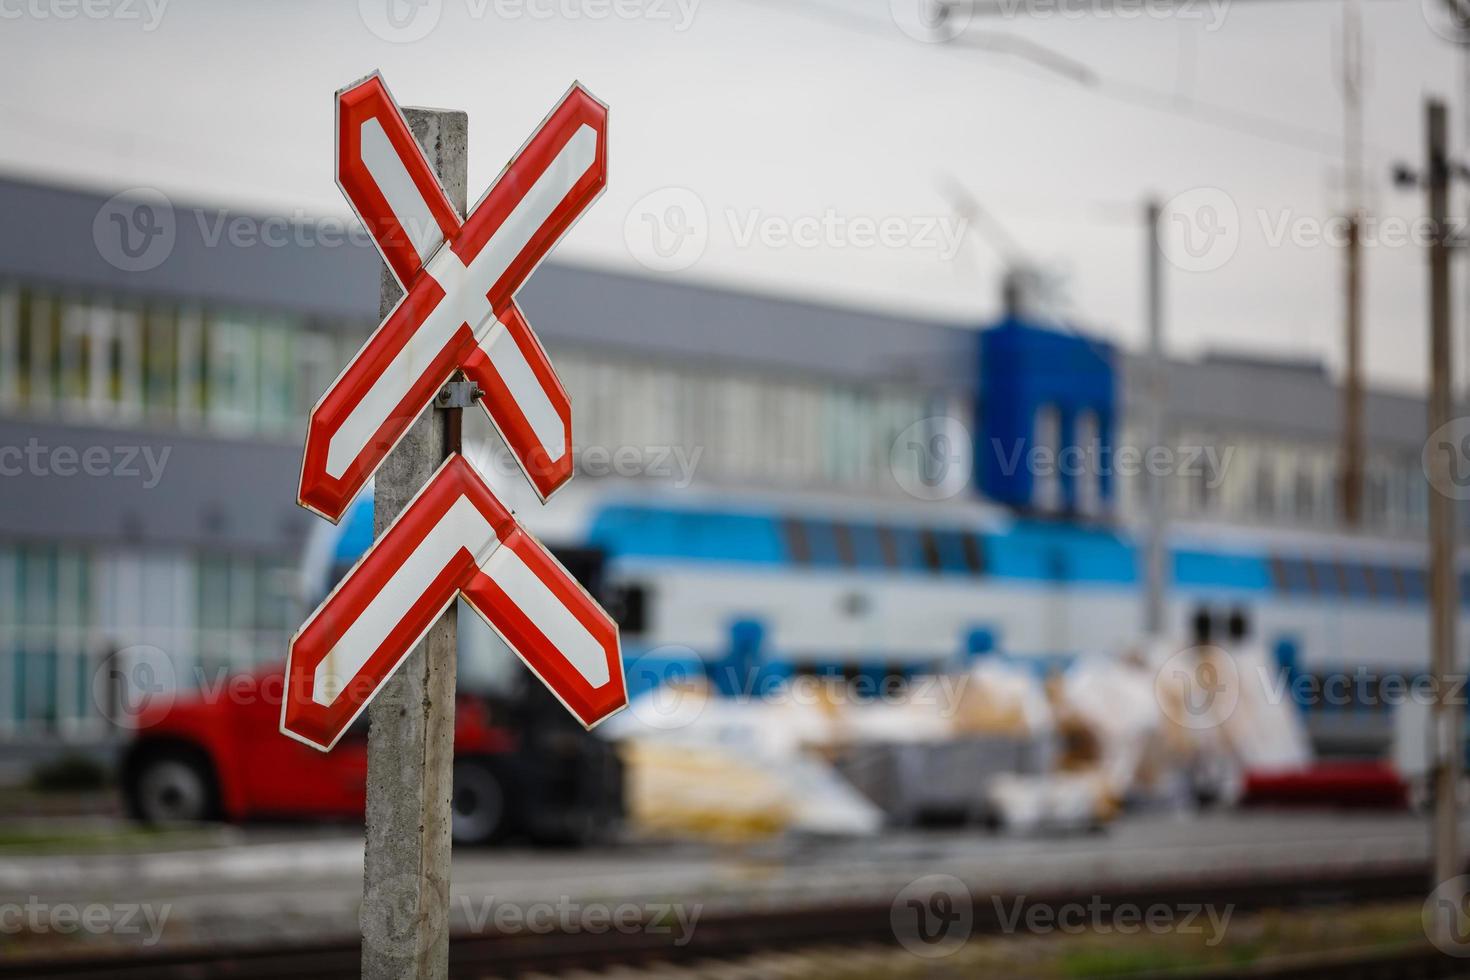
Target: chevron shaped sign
column 458, row 311
column 454, row 540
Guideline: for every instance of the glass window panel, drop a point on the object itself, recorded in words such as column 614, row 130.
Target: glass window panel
column 233, row 365
column 160, row 362
column 75, row 355
column 316, row 367
column 277, row 375
column 125, row 369
column 43, row 331
column 243, row 613
column 193, row 377
column 10, row 362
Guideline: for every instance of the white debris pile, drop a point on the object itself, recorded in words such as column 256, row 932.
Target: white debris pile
column 699, row 765
column 1265, row 732
column 1161, row 727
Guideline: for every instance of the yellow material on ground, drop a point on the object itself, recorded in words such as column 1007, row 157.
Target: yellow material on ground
column 688, row 791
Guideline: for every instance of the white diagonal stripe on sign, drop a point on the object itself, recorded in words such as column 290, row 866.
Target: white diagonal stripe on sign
column 406, row 367
column 549, row 613
column 403, row 196
column 526, row 390
column 465, row 289
column 462, row 526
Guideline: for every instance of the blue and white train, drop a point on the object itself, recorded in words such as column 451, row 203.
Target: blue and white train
column 837, row 583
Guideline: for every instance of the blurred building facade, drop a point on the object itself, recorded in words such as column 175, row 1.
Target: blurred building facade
column 151, row 419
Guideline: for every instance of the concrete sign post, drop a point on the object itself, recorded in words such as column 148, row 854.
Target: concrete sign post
column 404, row 915
column 384, row 640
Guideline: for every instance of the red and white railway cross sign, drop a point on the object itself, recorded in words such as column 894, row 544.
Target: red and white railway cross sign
column 454, row 539
column 460, row 280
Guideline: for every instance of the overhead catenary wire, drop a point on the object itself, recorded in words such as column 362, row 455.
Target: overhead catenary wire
column 1058, row 65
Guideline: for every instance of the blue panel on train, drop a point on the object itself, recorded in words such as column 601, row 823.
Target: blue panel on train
column 646, row 531
column 1221, row 570
column 1024, row 369
column 357, row 530
column 1061, row 553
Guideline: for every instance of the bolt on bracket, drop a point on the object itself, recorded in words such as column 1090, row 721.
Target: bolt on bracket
column 458, row 394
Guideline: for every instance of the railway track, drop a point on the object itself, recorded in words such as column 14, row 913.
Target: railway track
column 731, row 937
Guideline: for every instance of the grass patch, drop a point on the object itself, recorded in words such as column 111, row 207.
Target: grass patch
column 86, row 838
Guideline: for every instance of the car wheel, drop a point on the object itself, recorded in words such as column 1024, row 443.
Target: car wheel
column 171, row 788
column 479, row 811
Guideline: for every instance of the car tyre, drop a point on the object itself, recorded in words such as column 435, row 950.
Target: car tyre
column 480, row 806
column 173, row 787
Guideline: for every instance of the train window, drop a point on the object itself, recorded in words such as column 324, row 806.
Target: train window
column 974, row 553
column 1357, row 580
column 628, row 605
column 1416, row 583
column 888, row 546
column 958, row 552
column 842, row 545
column 1400, row 587
column 1380, row 582
column 822, row 537
column 951, row 558
column 868, row 548
column 1278, row 574
column 930, row 546
column 584, row 564
column 797, row 544
column 1297, row 575
column 1324, row 576
column 909, row 550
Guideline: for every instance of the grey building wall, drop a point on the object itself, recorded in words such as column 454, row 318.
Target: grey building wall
column 162, row 488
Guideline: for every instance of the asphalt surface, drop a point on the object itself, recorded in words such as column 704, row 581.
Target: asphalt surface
column 281, row 884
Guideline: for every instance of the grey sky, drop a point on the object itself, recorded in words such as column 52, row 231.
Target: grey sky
column 804, row 119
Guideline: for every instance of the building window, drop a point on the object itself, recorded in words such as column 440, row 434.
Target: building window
column 10, row 330
column 1304, row 495
column 315, row 365
column 233, row 372
column 277, row 376
column 1264, row 502
column 161, row 363
column 44, row 667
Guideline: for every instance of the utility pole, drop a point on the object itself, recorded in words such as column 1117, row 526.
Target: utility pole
column 405, row 906
column 1352, row 386
column 1155, row 558
column 1443, row 590
column 1351, row 478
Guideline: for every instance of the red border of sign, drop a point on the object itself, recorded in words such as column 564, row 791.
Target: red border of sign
column 322, row 726
column 328, row 496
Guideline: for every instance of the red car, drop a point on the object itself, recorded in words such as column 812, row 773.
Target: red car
column 521, row 766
